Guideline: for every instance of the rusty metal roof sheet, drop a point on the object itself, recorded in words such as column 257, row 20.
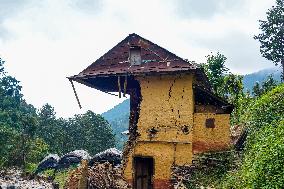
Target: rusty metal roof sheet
column 154, row 59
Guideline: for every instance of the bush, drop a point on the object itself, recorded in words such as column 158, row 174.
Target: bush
column 265, row 110
column 264, row 160
column 264, row 151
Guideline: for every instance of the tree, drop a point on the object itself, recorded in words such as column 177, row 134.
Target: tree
column 51, row 129
column 215, row 70
column 18, row 123
column 272, row 36
column 265, row 86
column 256, row 90
column 224, row 83
column 89, row 131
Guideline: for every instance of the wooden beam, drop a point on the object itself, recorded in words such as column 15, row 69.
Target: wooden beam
column 119, row 87
column 125, row 86
column 74, row 90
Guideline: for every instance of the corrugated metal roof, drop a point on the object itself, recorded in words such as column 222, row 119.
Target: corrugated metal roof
column 154, row 59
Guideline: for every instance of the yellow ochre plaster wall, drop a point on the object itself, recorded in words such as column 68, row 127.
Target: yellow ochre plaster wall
column 211, row 139
column 167, row 107
column 169, row 130
column 164, row 154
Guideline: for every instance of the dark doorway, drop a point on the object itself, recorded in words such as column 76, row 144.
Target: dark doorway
column 144, row 169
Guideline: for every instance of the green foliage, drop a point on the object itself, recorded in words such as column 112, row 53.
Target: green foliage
column 88, row 131
column 9, row 140
column 210, row 175
column 264, row 151
column 272, row 36
column 61, row 177
column 30, row 168
column 266, row 109
column 26, row 136
column 37, row 150
column 51, row 129
column 224, row 84
column 266, row 86
column 264, row 158
column 215, row 70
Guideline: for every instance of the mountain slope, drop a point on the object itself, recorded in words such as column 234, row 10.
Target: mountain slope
column 250, row 79
column 118, row 117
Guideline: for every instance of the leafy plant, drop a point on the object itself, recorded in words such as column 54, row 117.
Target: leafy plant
column 272, row 36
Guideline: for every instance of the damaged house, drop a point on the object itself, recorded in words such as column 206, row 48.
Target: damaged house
column 173, row 112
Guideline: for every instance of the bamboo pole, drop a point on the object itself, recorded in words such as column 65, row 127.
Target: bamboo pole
column 74, row 90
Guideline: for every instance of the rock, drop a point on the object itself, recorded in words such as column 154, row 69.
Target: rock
column 49, row 162
column 111, row 155
column 72, row 158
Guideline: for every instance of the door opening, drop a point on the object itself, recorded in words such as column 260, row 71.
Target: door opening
column 144, row 170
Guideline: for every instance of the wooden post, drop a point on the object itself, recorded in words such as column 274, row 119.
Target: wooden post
column 74, row 90
column 125, row 86
column 119, row 87
column 83, row 178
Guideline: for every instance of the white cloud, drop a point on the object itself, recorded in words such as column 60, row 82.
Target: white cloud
column 49, row 40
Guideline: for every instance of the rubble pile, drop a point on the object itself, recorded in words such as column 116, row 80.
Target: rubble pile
column 204, row 163
column 181, row 174
column 78, row 177
column 13, row 178
column 105, row 175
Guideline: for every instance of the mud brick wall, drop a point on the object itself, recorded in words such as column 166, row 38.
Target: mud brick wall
column 211, row 132
column 164, row 126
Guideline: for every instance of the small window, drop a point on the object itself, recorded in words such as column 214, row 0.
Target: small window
column 135, row 55
column 210, row 123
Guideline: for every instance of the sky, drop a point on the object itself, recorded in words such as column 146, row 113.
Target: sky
column 44, row 41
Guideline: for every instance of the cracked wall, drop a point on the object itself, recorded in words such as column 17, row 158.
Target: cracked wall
column 170, row 127
column 211, row 138
column 164, row 128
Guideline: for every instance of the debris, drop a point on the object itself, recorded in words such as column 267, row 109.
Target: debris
column 77, row 178
column 12, row 178
column 105, row 175
column 99, row 176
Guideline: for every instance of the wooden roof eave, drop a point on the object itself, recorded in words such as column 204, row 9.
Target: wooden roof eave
column 217, row 98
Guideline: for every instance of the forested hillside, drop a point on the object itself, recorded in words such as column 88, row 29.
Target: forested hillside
column 118, row 117
column 250, row 79
column 28, row 134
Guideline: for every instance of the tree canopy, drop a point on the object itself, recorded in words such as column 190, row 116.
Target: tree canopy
column 272, row 37
column 28, row 134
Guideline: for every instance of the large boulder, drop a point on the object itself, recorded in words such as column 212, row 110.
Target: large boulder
column 111, row 155
column 73, row 158
column 49, row 162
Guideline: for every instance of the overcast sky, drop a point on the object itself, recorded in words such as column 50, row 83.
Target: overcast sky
column 44, row 41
